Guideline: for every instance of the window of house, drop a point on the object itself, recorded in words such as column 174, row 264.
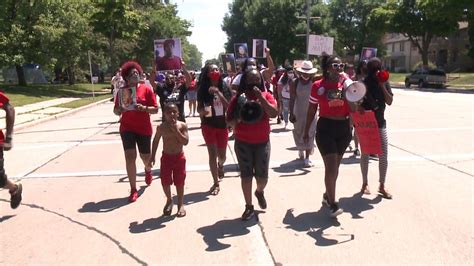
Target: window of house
column 402, row 46
column 393, row 47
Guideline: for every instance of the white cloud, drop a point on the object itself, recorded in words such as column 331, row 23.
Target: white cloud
column 206, row 17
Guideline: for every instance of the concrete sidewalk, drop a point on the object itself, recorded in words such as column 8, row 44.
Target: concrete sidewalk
column 31, row 114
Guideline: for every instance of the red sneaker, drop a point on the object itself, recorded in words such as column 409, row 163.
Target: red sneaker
column 133, row 196
column 148, row 177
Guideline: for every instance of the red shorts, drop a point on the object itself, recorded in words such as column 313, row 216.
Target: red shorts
column 215, row 136
column 173, row 169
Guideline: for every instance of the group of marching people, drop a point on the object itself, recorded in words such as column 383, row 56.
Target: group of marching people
column 290, row 95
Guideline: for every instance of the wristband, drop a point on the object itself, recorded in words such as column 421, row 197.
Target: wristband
column 146, row 109
column 8, row 138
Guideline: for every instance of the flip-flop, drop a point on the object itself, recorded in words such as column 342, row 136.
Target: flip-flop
column 168, row 209
column 181, row 213
column 385, row 194
column 215, row 189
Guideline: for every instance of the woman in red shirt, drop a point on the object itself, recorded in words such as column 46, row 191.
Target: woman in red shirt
column 135, row 102
column 252, row 139
column 333, row 133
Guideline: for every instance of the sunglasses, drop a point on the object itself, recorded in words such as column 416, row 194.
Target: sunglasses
column 338, row 65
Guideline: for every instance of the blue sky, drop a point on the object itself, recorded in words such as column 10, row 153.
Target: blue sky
column 206, row 17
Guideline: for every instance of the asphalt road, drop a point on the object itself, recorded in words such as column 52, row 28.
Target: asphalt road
column 75, row 209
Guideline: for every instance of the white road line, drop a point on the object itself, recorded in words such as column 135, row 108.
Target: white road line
column 233, row 168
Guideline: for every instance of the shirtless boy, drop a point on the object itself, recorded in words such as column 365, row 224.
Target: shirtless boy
column 173, row 162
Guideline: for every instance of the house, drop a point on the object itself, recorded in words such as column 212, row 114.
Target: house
column 448, row 53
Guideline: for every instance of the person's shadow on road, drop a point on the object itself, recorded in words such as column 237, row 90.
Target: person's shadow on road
column 314, row 224
column 195, row 197
column 108, row 205
column 212, row 234
column 289, row 169
column 149, row 224
column 357, row 204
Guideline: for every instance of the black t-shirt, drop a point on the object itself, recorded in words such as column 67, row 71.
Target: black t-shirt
column 375, row 99
column 167, row 94
column 217, row 118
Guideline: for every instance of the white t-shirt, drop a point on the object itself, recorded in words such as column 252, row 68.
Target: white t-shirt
column 236, row 80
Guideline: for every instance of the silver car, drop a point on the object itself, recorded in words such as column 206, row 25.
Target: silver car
column 424, row 78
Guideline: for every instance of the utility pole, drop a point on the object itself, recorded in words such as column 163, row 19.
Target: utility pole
column 308, row 19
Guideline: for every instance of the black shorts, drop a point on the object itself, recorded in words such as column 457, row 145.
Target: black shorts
column 130, row 139
column 253, row 159
column 333, row 136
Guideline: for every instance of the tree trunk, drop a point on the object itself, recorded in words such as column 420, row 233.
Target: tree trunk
column 71, row 75
column 21, row 75
column 425, row 45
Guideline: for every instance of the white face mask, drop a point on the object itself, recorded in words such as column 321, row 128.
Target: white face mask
column 305, row 78
column 251, row 67
column 291, row 76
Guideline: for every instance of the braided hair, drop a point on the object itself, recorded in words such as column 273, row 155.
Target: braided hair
column 203, row 94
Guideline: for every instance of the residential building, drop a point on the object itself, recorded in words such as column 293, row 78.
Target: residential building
column 448, row 53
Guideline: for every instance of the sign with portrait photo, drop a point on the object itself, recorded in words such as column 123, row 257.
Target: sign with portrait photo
column 240, row 52
column 367, row 53
column 168, row 54
column 128, row 98
column 228, row 61
column 258, row 48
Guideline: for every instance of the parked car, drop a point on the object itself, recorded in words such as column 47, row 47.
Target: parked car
column 424, row 78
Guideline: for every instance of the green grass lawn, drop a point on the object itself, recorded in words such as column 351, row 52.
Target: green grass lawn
column 20, row 95
column 454, row 79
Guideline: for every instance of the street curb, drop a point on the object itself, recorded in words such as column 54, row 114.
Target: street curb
column 450, row 90
column 56, row 116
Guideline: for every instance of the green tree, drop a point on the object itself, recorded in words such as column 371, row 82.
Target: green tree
column 120, row 24
column 419, row 20
column 65, row 35
column 350, row 21
column 19, row 42
column 273, row 20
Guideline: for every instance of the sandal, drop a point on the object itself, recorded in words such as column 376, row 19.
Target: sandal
column 168, row 208
column 215, row 189
column 385, row 193
column 181, row 213
column 365, row 189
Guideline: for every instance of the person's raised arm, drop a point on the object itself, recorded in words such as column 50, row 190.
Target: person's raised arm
column 387, row 92
column 181, row 131
column 269, row 108
column 267, row 73
column 187, row 76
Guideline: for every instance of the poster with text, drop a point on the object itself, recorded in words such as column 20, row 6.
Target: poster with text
column 228, row 61
column 168, row 54
column 317, row 45
column 367, row 131
column 258, row 48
